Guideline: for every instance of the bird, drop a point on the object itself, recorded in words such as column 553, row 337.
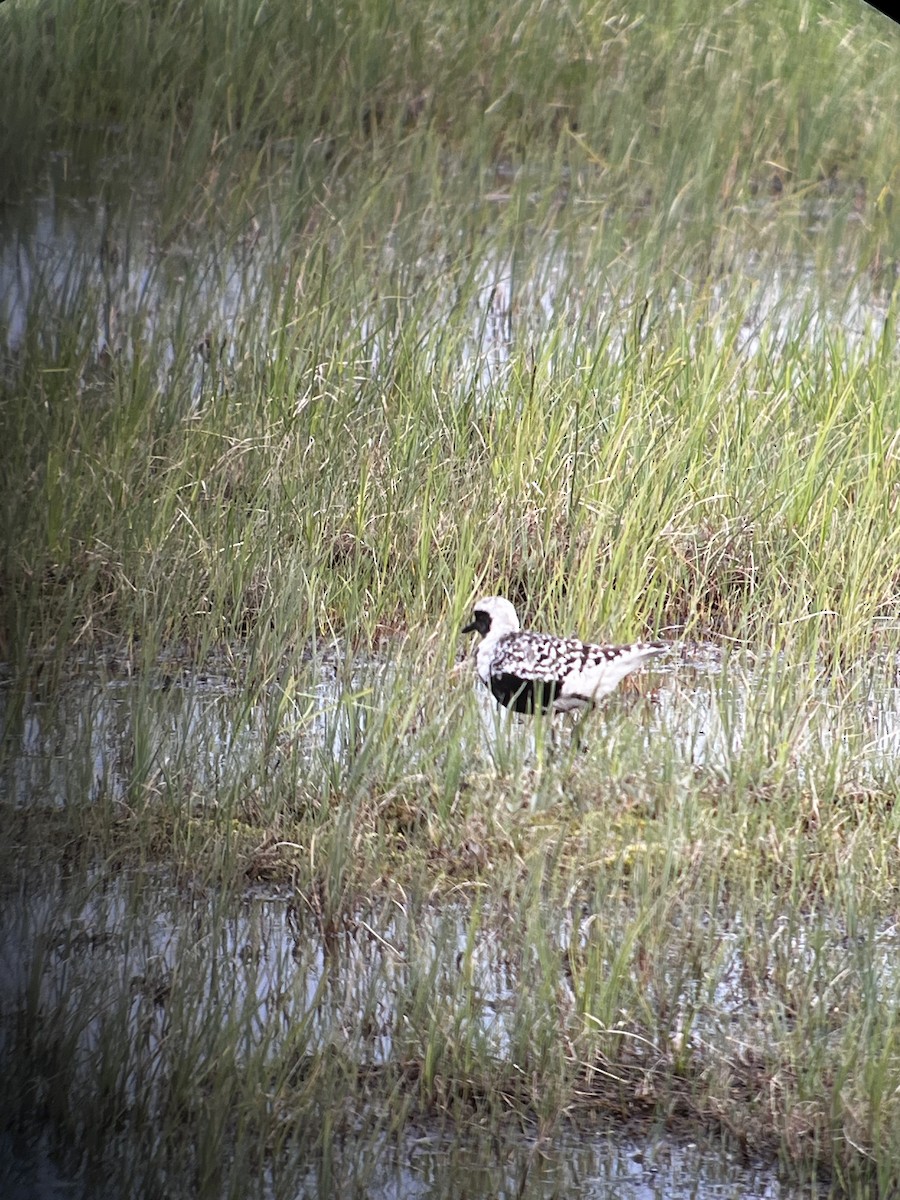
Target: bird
column 525, row 670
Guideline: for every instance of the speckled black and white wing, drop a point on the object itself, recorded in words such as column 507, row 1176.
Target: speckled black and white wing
column 527, row 671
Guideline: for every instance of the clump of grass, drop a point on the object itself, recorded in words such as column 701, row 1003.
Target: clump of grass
column 221, row 92
column 339, row 486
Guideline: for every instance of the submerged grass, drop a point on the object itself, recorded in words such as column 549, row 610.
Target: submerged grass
column 394, row 913
column 398, row 305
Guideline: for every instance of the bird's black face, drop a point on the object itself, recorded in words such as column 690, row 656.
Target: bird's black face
column 480, row 623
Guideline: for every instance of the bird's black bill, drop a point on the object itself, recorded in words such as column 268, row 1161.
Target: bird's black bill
column 480, row 623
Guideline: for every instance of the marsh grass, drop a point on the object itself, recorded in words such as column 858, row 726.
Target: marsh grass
column 320, row 321
column 709, row 489
column 394, row 919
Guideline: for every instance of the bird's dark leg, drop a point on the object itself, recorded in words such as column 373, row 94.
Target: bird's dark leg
column 544, row 736
column 554, row 732
column 577, row 736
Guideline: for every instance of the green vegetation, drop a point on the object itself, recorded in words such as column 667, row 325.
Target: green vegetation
column 323, row 319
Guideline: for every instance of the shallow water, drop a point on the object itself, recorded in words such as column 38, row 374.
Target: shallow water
column 68, row 246
column 138, row 938
column 97, row 734
column 607, row 1166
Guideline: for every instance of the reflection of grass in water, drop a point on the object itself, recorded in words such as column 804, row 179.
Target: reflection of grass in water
column 609, row 377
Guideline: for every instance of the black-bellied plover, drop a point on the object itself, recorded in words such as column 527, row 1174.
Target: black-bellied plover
column 526, row 670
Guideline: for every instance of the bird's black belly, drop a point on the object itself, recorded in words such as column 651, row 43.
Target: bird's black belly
column 524, row 695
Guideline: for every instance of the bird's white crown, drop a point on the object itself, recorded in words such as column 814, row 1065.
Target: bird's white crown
column 501, row 615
